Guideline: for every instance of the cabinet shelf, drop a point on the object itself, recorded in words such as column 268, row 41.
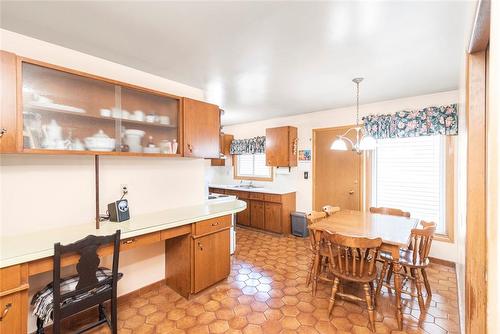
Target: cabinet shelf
column 88, row 152
column 85, row 115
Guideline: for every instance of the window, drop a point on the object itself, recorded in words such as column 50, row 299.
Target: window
column 252, row 167
column 409, row 174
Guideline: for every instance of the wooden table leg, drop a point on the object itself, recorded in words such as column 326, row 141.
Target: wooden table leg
column 316, row 264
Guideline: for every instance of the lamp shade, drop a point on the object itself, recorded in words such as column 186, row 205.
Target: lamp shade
column 367, row 143
column 339, row 145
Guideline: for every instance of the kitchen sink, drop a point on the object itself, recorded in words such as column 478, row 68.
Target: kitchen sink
column 246, row 186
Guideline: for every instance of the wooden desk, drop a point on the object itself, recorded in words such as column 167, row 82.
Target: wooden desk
column 394, row 231
column 181, row 230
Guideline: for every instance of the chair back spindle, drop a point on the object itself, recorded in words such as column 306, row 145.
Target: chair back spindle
column 421, row 241
column 354, row 257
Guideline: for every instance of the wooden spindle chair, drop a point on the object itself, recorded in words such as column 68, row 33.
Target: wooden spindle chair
column 390, row 212
column 317, row 251
column 330, row 210
column 353, row 259
column 414, row 260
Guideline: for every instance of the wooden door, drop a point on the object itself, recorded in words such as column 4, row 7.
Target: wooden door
column 336, row 174
column 211, row 259
column 273, row 217
column 243, row 217
column 201, row 129
column 257, row 214
column 8, row 111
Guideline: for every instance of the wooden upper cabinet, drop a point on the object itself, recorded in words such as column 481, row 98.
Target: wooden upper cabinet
column 201, row 129
column 281, row 146
column 225, row 148
column 8, row 114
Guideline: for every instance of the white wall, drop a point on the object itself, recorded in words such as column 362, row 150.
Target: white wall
column 324, row 119
column 43, row 192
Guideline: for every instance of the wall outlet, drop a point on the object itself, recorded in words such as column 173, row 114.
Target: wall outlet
column 124, row 189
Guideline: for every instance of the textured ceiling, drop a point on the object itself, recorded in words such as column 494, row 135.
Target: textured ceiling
column 260, row 60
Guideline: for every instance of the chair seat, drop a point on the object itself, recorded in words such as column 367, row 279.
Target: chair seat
column 42, row 300
column 406, row 259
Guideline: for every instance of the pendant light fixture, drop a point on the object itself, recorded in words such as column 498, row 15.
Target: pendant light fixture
column 364, row 142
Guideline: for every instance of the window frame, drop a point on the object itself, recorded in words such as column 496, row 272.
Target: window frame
column 448, row 165
column 249, row 178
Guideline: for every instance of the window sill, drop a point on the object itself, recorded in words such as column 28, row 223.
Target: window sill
column 444, row 238
column 253, row 178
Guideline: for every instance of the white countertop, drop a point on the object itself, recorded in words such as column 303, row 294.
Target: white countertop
column 37, row 245
column 253, row 190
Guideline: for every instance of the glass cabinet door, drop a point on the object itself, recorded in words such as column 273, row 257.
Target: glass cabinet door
column 64, row 111
column 149, row 122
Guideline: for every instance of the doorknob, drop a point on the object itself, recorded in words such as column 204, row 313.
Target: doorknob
column 351, row 192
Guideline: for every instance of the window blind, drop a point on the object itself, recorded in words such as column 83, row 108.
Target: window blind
column 409, row 175
column 253, row 165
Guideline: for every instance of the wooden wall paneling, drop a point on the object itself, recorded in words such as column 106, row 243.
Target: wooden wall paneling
column 476, row 251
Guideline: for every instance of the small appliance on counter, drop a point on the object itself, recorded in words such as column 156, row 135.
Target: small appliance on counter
column 119, row 211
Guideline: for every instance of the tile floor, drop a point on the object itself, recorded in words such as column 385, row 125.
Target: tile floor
column 266, row 293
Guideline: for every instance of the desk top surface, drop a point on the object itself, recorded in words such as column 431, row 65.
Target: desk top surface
column 37, row 245
column 393, row 230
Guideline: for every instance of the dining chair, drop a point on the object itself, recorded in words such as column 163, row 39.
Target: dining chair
column 330, row 210
column 91, row 286
column 390, row 211
column 414, row 261
column 318, row 251
column 353, row 260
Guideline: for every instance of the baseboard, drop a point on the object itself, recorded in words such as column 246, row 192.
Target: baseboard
column 90, row 315
column 442, row 262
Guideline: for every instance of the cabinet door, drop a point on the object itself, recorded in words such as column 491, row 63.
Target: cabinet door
column 243, row 217
column 273, row 217
column 281, row 146
column 13, row 308
column 211, row 259
column 8, row 112
column 257, row 214
column 201, row 129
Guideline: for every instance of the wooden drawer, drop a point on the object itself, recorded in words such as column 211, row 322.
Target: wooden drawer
column 257, row 196
column 217, row 190
column 239, row 194
column 141, row 240
column 272, row 198
column 212, row 225
column 175, row 232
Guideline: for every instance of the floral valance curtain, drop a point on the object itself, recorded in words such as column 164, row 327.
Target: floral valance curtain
column 248, row 146
column 442, row 120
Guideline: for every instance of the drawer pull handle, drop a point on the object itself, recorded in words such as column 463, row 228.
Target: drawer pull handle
column 3, row 131
column 215, row 224
column 5, row 311
column 190, row 148
column 129, row 241
column 200, row 245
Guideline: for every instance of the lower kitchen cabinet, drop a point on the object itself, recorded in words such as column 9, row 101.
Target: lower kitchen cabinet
column 272, row 217
column 243, row 217
column 14, row 299
column 211, row 259
column 257, row 214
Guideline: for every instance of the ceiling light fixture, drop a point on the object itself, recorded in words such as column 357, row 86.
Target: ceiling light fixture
column 364, row 142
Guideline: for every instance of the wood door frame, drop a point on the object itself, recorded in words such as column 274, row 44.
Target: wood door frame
column 361, row 176
column 476, row 246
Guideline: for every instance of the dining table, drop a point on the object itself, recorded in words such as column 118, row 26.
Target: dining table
column 395, row 232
